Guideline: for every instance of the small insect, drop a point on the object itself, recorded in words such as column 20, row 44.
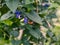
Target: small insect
column 30, row 22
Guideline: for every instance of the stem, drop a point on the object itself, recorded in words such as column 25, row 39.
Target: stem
column 20, row 34
column 40, row 27
column 48, row 24
column 5, row 33
column 36, row 5
column 0, row 3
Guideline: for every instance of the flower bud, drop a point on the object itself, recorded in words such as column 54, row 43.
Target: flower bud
column 18, row 14
column 45, row 4
column 25, row 20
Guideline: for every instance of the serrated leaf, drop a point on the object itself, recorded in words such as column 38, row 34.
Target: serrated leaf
column 33, row 32
column 12, row 4
column 54, row 38
column 26, row 42
column 29, row 6
column 29, row 1
column 38, row 31
column 53, row 5
column 15, row 42
column 34, row 17
column 49, row 33
column 14, row 33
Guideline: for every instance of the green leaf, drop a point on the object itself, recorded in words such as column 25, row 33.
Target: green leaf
column 14, row 33
column 34, row 16
column 6, row 16
column 0, row 13
column 15, row 42
column 29, row 6
column 38, row 31
column 33, row 32
column 54, row 38
column 12, row 4
column 26, row 42
column 29, row 1
column 50, row 34
column 7, row 22
column 53, row 5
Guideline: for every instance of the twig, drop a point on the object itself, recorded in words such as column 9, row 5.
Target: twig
column 20, row 34
column 48, row 24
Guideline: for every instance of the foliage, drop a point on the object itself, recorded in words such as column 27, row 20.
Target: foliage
column 30, row 16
